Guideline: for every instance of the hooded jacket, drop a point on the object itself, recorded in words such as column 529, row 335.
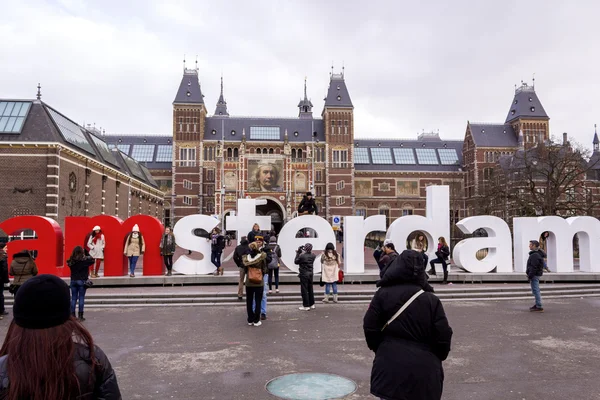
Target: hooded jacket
column 80, row 268
column 23, row 267
column 385, row 261
column 4, row 267
column 535, row 264
column 104, row 381
column 413, row 345
column 240, row 250
column 305, row 263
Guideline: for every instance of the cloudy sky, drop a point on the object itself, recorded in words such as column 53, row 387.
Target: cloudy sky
column 409, row 67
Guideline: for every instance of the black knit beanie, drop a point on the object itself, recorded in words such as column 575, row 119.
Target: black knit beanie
column 42, row 302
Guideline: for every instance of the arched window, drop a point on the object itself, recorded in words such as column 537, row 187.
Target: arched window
column 271, row 150
column 293, row 153
column 236, row 153
column 299, row 153
column 258, row 151
column 229, row 152
column 265, row 151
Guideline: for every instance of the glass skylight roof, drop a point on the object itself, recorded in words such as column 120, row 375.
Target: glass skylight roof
column 12, row 115
column 164, row 153
column 134, row 167
column 361, row 155
column 124, row 148
column 448, row 156
column 265, row 132
column 143, row 152
column 381, row 155
column 427, row 156
column 105, row 152
column 404, row 156
column 149, row 177
column 71, row 131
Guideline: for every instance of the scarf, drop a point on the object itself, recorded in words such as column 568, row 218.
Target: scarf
column 97, row 237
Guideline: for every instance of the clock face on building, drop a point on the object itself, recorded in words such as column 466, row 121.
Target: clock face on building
column 72, row 182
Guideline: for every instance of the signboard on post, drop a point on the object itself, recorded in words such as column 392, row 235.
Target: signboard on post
column 336, row 221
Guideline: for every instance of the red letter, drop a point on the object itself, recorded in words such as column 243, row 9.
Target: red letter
column 49, row 242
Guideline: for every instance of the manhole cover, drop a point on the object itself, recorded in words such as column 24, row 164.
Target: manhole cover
column 311, row 386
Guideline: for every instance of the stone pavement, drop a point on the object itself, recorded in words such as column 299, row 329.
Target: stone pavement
column 500, row 350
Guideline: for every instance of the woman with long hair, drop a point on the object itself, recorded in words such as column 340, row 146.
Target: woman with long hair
column 23, row 268
column 330, row 269
column 96, row 244
column 442, row 253
column 167, row 249
column 80, row 265
column 47, row 354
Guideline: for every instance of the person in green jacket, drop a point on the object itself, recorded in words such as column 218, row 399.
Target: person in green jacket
column 255, row 268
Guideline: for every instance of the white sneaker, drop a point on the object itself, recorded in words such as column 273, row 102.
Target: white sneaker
column 258, row 323
column 270, row 292
column 304, row 308
column 250, row 323
column 313, row 307
column 276, row 290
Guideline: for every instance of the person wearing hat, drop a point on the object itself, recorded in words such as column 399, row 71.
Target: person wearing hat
column 134, row 248
column 305, row 260
column 22, row 267
column 47, row 354
column 307, row 205
column 3, row 274
column 95, row 244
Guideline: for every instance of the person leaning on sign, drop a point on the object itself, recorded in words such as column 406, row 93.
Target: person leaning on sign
column 307, row 205
column 535, row 269
column 407, row 328
column 95, row 244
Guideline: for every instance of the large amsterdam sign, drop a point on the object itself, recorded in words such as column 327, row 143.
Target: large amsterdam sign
column 51, row 244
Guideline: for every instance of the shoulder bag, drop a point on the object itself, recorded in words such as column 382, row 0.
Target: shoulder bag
column 402, row 308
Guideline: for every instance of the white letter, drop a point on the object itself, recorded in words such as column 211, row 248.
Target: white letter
column 436, row 224
column 289, row 243
column 498, row 244
column 185, row 238
column 243, row 222
column 355, row 230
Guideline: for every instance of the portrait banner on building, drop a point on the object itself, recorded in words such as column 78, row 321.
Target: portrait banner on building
column 265, row 175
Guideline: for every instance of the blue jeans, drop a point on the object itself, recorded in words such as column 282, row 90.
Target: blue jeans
column 77, row 292
column 535, row 289
column 328, row 285
column 263, row 302
column 132, row 263
column 215, row 258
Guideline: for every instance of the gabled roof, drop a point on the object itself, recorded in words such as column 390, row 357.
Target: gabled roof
column 337, row 94
column 526, row 105
column 189, row 91
column 594, row 162
column 231, row 129
column 493, row 135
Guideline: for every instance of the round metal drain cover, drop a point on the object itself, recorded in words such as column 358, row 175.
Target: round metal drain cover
column 311, row 386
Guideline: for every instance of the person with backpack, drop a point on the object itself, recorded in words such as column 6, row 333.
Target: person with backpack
column 442, row 253
column 330, row 270
column 79, row 264
column 274, row 264
column 260, row 241
column 305, row 260
column 255, row 267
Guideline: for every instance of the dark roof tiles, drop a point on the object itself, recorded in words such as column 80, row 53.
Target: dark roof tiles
column 337, row 94
column 189, row 91
column 493, row 135
column 526, row 104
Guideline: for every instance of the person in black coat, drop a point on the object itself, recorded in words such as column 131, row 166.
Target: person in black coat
column 79, row 264
column 64, row 363
column 535, row 269
column 307, row 205
column 241, row 250
column 3, row 276
column 305, row 260
column 388, row 257
column 442, row 253
column 409, row 352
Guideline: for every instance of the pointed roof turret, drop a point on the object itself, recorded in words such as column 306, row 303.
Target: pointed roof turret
column 305, row 106
column 221, row 103
column 189, row 91
column 596, row 142
column 337, row 94
column 526, row 105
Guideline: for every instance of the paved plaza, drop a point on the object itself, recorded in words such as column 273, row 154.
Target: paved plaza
column 499, row 351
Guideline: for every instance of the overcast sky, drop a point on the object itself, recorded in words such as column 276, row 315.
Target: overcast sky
column 408, row 66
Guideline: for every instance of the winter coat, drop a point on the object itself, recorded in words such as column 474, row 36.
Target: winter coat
column 134, row 247
column 410, row 351
column 308, row 206
column 22, row 268
column 252, row 235
column 377, row 256
column 217, row 244
column 168, row 244
column 80, row 269
column 305, row 263
column 104, row 381
column 385, row 261
column 535, row 264
column 330, row 267
column 4, row 268
column 443, row 251
column 275, row 255
column 96, row 249
column 255, row 260
column 240, row 250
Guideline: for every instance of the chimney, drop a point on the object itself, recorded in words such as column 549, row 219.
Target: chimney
column 565, row 140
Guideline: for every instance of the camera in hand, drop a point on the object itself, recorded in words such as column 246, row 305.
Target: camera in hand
column 300, row 249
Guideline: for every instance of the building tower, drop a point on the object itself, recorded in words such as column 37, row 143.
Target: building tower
column 338, row 120
column 221, row 104
column 189, row 115
column 527, row 114
column 305, row 106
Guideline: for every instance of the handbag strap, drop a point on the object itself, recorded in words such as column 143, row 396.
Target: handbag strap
column 402, row 308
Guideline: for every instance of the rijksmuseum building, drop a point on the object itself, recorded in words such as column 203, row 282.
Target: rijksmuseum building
column 52, row 166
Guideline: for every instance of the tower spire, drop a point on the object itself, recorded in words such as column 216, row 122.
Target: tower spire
column 184, row 63
column 596, row 142
column 221, row 103
column 305, row 106
column 39, row 92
